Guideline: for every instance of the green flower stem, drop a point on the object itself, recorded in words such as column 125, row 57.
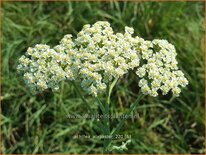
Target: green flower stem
column 132, row 108
column 110, row 90
column 106, row 113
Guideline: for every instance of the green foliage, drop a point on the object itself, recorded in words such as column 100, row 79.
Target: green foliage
column 39, row 124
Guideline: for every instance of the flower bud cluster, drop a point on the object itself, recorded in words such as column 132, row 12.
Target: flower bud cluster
column 97, row 56
column 104, row 55
column 159, row 70
column 45, row 68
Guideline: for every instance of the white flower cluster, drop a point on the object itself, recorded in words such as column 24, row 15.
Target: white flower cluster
column 98, row 56
column 159, row 69
column 44, row 67
column 103, row 55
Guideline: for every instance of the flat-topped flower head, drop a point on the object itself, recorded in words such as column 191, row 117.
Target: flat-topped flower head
column 159, row 69
column 44, row 67
column 104, row 55
column 98, row 56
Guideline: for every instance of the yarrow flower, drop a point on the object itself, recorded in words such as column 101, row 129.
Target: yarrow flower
column 159, row 70
column 44, row 67
column 104, row 55
column 98, row 56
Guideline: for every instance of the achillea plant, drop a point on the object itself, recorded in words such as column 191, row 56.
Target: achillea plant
column 97, row 58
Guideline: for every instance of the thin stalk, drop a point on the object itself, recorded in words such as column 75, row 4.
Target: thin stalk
column 132, row 108
column 110, row 90
column 107, row 141
column 106, row 128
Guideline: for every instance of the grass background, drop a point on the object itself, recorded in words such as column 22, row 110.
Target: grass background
column 38, row 124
